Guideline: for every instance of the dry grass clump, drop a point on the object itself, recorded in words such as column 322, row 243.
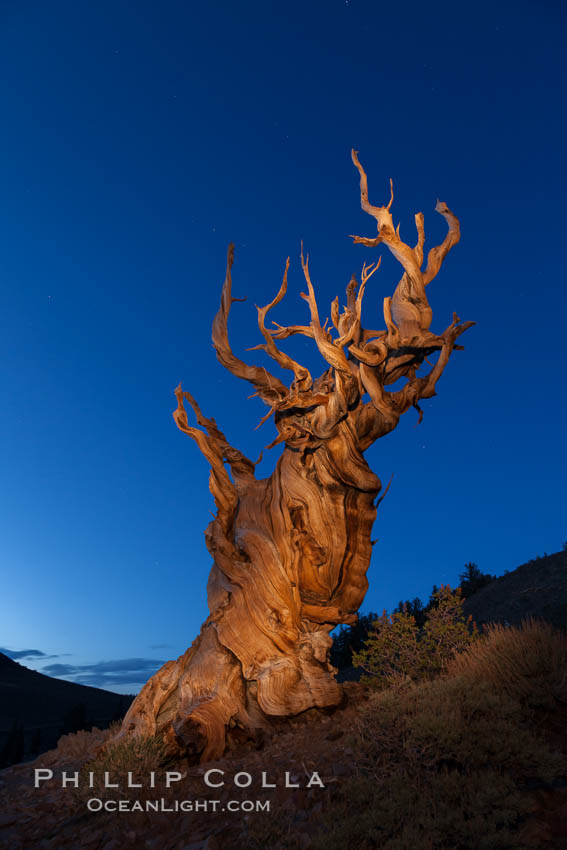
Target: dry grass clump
column 76, row 746
column 136, row 755
column 528, row 663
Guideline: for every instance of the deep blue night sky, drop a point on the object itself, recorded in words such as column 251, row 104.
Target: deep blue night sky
column 138, row 139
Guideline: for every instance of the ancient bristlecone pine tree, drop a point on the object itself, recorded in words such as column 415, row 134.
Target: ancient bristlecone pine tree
column 291, row 551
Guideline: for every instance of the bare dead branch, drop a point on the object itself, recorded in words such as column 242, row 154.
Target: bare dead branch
column 438, row 254
column 350, row 326
column 332, row 354
column 450, row 335
column 418, row 250
column 222, row 488
column 418, row 388
column 381, row 399
column 269, row 388
column 409, row 305
column 373, row 354
column 335, row 318
column 302, row 377
column 213, row 443
column 352, row 286
column 282, row 332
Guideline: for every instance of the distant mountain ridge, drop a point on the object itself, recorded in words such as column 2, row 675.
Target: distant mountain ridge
column 37, row 708
column 535, row 589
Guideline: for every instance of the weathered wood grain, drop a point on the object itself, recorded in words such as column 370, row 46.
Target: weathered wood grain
column 290, row 552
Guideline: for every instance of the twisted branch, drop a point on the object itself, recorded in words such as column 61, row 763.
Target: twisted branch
column 269, row 388
column 303, row 379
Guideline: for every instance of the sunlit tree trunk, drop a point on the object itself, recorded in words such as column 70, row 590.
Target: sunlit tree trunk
column 290, row 552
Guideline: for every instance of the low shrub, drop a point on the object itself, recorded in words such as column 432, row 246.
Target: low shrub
column 441, row 765
column 397, row 650
column 77, row 746
column 528, row 662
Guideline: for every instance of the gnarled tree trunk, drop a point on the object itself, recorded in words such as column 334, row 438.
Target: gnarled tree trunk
column 291, row 551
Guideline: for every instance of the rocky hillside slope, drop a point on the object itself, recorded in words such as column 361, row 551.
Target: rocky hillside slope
column 535, row 589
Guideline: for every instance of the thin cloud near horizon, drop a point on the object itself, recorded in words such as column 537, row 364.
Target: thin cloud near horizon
column 125, row 671
column 17, row 654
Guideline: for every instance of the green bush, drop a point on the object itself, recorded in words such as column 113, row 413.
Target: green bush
column 398, row 651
